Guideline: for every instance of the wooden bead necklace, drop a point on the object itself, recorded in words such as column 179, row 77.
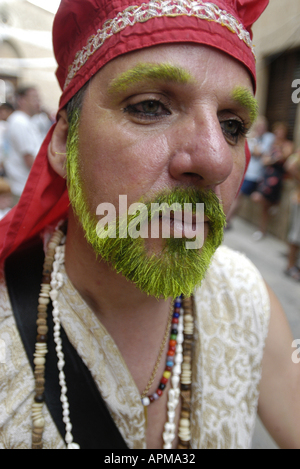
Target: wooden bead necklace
column 41, row 351
column 182, row 372
column 179, row 357
column 184, row 430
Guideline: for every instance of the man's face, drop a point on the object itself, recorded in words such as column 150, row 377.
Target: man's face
column 30, row 103
column 164, row 118
column 158, row 134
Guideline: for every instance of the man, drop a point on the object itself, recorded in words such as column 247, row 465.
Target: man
column 23, row 141
column 6, row 110
column 5, row 198
column 259, row 144
column 292, row 167
column 156, row 102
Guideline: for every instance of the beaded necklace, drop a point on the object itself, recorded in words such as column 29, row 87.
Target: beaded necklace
column 178, row 357
column 146, row 400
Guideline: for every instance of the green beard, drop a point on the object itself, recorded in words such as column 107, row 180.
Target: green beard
column 175, row 270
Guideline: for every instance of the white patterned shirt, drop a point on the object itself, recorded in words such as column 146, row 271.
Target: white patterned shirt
column 232, row 315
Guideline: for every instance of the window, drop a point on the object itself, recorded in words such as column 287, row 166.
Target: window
column 284, row 68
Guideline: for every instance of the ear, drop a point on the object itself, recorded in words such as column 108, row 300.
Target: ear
column 57, row 153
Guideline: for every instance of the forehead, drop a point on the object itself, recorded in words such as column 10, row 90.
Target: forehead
column 206, row 66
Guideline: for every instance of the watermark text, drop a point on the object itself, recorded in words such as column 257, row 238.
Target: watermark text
column 161, row 220
column 296, row 353
column 296, row 93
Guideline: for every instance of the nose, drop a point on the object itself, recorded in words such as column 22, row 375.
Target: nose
column 200, row 153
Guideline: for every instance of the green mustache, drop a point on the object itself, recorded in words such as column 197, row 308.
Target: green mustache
column 180, row 199
column 176, row 269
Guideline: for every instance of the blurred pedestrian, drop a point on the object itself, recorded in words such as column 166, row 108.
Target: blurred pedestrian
column 23, row 140
column 6, row 110
column 6, row 199
column 259, row 143
column 269, row 190
column 292, row 167
column 42, row 122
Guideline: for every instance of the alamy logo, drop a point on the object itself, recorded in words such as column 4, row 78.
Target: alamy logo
column 296, row 93
column 2, row 351
column 2, row 92
column 296, row 353
column 145, row 223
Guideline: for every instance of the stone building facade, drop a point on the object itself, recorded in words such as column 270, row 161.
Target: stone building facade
column 277, row 44
column 26, row 55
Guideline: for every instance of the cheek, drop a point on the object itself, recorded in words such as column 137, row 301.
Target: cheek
column 113, row 163
column 230, row 188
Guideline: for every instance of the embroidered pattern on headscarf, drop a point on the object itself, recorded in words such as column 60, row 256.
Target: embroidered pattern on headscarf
column 156, row 9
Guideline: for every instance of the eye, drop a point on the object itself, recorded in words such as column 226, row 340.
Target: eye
column 233, row 129
column 151, row 109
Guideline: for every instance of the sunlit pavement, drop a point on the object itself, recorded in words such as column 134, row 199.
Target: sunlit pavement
column 269, row 256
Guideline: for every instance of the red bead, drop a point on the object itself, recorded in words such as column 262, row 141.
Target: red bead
column 159, row 392
column 151, row 398
column 46, row 279
column 168, row 368
column 171, row 353
column 176, row 310
column 41, row 338
column 164, row 380
column 172, row 347
column 175, row 320
column 173, row 343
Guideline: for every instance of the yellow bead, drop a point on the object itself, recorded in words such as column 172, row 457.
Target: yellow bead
column 40, row 423
column 39, row 361
column 167, row 374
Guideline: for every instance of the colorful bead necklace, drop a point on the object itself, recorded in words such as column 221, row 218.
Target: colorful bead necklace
column 178, row 363
column 173, row 323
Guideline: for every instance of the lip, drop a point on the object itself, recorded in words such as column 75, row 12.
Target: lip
column 182, row 229
column 180, row 215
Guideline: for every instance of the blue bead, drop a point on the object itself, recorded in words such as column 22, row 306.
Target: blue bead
column 177, row 304
column 176, row 315
column 169, row 363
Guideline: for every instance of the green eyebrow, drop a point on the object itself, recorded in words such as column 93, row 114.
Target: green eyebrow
column 244, row 97
column 146, row 71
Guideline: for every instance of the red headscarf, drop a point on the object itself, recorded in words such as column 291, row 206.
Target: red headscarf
column 89, row 33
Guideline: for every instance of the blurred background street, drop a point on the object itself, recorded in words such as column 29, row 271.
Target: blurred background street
column 269, row 256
